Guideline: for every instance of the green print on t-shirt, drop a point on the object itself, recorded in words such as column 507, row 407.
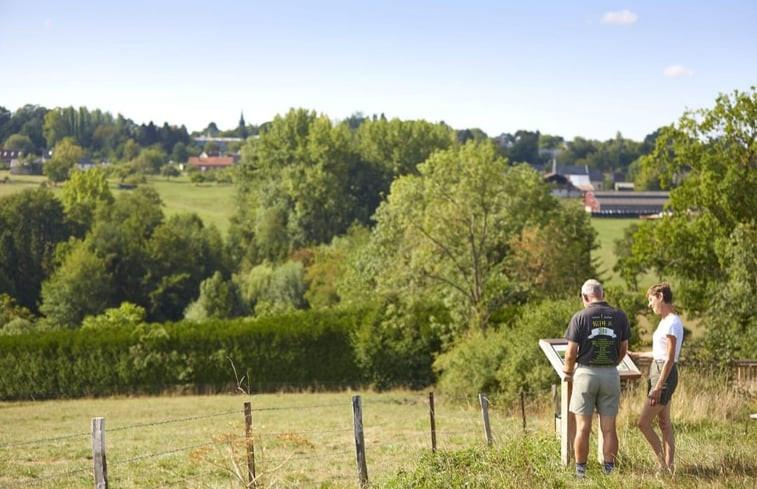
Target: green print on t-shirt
column 602, row 349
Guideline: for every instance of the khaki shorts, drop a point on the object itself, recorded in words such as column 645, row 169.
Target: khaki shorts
column 595, row 387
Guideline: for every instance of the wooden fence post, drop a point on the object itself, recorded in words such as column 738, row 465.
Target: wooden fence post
column 567, row 424
column 98, row 453
column 485, row 413
column 433, row 420
column 523, row 408
column 556, row 402
column 250, row 444
column 357, row 417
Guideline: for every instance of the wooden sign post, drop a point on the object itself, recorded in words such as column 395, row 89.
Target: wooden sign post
column 555, row 349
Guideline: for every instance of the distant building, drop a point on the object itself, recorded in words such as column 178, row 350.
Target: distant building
column 222, row 143
column 625, row 203
column 574, row 181
column 205, row 163
column 8, row 155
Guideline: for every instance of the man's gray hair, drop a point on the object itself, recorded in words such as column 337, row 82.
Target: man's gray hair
column 592, row 288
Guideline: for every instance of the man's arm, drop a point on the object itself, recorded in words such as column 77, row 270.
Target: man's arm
column 570, row 359
column 623, row 351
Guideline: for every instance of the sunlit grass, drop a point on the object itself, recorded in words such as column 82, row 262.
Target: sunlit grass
column 307, row 440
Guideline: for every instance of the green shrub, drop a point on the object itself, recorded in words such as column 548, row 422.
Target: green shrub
column 509, row 360
column 397, row 348
column 302, row 349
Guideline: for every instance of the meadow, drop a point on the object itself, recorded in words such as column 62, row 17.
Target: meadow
column 213, row 202
column 307, row 440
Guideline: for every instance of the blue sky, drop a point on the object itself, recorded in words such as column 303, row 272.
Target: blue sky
column 567, row 68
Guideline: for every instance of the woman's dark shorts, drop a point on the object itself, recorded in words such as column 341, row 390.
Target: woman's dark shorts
column 655, row 368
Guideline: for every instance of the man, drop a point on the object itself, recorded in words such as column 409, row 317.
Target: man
column 597, row 342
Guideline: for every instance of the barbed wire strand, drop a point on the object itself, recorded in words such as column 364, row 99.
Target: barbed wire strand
column 163, row 453
column 174, row 420
column 43, row 440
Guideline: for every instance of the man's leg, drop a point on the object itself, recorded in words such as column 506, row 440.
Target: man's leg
column 610, row 438
column 581, row 442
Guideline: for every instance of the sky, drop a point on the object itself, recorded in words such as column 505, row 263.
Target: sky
column 579, row 68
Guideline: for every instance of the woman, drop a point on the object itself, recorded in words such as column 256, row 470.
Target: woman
column 663, row 376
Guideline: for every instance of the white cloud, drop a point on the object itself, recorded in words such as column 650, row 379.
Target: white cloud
column 622, row 17
column 677, row 71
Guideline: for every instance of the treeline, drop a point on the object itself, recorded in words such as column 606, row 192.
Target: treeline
column 117, row 139
column 34, row 130
column 465, row 252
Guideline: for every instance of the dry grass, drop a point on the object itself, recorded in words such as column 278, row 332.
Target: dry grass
column 307, row 440
column 300, row 439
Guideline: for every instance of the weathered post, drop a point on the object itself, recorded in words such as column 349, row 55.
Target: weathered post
column 567, row 423
column 523, row 408
column 250, row 444
column 485, row 414
column 357, row 416
column 433, row 420
column 556, row 402
column 98, row 453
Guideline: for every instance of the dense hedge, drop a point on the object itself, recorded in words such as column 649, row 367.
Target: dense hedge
column 303, row 349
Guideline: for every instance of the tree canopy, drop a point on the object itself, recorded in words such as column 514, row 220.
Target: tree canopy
column 705, row 240
column 455, row 231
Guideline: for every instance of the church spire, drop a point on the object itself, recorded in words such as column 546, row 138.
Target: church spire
column 242, row 129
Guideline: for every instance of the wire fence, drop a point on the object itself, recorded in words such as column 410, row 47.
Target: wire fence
column 295, row 440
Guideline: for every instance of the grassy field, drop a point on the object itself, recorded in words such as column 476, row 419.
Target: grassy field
column 213, row 202
column 307, row 440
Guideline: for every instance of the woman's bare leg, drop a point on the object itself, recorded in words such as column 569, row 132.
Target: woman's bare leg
column 648, row 413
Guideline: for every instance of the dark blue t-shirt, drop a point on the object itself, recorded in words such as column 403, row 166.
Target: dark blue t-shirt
column 599, row 329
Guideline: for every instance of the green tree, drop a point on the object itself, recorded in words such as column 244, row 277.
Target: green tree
column 169, row 171
column 120, row 236
column 66, row 156
column 330, row 265
column 32, row 223
column 26, row 121
column 81, row 286
column 150, row 160
column 173, row 278
column 449, row 231
column 295, row 187
column 19, row 142
column 83, row 194
column 524, row 148
column 10, row 311
column 125, row 315
column 179, row 153
column 732, row 332
column 268, row 289
column 218, row 299
column 711, row 213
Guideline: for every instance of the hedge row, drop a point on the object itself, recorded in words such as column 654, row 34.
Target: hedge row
column 303, row 349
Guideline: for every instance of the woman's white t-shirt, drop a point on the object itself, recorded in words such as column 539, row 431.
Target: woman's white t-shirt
column 671, row 325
